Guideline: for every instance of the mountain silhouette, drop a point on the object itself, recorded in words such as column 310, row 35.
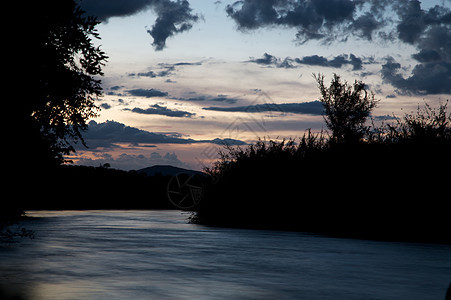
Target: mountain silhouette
column 165, row 170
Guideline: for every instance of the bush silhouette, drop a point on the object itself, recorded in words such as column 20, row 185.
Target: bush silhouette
column 346, row 108
column 427, row 125
column 382, row 182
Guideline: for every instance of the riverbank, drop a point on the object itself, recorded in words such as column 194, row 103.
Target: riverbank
column 80, row 187
column 377, row 191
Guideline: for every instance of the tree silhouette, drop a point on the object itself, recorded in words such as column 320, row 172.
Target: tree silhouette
column 68, row 61
column 347, row 108
column 54, row 82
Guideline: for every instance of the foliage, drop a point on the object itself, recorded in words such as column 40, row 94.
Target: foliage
column 427, row 125
column 386, row 182
column 255, row 185
column 57, row 112
column 55, row 86
column 346, row 108
column 9, row 228
column 268, row 150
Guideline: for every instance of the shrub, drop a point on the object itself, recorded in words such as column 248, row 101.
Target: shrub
column 346, row 108
column 427, row 125
column 387, row 182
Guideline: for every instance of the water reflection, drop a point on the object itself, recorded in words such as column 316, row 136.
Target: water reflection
column 157, row 255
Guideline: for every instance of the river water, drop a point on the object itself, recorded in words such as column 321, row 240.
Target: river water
column 159, row 255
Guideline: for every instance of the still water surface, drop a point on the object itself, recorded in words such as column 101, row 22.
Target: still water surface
column 158, row 255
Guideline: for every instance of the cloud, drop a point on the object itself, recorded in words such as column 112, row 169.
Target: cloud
column 152, row 74
column 384, row 118
column 207, row 98
column 166, row 69
column 426, row 78
column 105, row 106
column 336, row 62
column 428, row 30
column 107, row 135
column 326, row 20
column 365, row 25
column 132, row 161
column 105, row 9
column 161, row 110
column 311, row 108
column 172, row 16
column 313, row 60
column 110, row 133
column 147, row 93
column 312, row 19
column 227, row 141
column 267, row 59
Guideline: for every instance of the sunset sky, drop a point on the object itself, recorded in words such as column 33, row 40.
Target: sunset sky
column 183, row 77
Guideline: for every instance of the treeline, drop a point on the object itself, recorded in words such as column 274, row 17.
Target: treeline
column 390, row 182
column 78, row 188
column 82, row 187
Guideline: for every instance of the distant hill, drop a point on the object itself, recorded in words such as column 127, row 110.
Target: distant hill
column 165, row 170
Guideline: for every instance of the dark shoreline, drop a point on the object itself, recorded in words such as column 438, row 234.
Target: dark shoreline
column 70, row 187
column 389, row 192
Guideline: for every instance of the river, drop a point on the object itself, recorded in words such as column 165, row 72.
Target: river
column 159, row 255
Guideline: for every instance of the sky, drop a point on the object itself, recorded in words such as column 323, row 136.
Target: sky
column 184, row 77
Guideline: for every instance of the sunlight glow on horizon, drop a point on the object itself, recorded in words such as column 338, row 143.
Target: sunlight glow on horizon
column 214, row 65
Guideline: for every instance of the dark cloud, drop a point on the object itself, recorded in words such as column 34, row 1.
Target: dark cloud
column 314, row 60
column 147, row 93
column 199, row 63
column 161, row 110
column 390, row 72
column 427, row 55
column 207, row 98
column 267, row 59
column 311, row 108
column 411, row 24
column 325, row 20
column 227, row 141
column 336, row 62
column 406, row 21
column 105, row 106
column 152, row 74
column 430, row 32
column 165, row 70
column 365, row 25
column 172, row 16
column 272, row 61
column 105, row 9
column 308, row 16
column 312, row 19
column 287, row 63
column 427, row 78
column 110, row 133
column 384, row 118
